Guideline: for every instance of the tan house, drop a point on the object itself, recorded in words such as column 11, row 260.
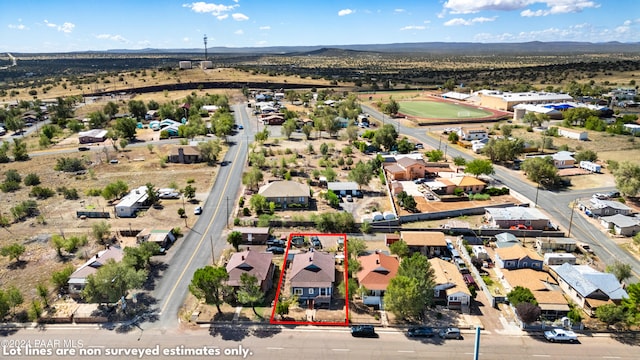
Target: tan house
column 450, row 288
column 78, row 280
column 258, row 264
column 406, row 169
column 543, row 287
column 429, row 243
column 182, row 154
column 468, row 184
column 518, row 257
column 376, row 272
column 286, row 194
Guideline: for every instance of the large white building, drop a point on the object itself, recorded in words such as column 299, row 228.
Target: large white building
column 507, row 100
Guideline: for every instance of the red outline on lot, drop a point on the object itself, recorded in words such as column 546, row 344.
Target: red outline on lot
column 345, row 282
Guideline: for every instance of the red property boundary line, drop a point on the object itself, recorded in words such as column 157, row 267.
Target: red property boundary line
column 345, row 282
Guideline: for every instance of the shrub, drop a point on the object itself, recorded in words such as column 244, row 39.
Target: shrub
column 41, row 192
column 31, row 180
column 69, row 165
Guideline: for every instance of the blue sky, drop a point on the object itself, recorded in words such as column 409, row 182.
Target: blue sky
column 71, row 25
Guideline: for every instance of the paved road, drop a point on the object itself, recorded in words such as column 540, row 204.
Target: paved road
column 305, row 342
column 556, row 203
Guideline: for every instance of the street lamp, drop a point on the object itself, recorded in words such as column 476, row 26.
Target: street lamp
column 535, row 204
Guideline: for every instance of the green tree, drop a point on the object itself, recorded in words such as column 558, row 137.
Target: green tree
column 392, row 107
column 189, row 192
column 137, row 108
column 110, row 110
column 289, row 127
column 98, row 119
column 521, row 294
column 501, row 150
column 403, row 298
column 627, row 177
column 4, row 304
column 307, row 129
column 61, row 278
column 250, row 292
column 14, row 297
column 620, row 270
column 541, row 171
column 459, row 161
column 100, row 231
column 400, row 248
column 43, row 292
column 13, row 251
column 14, row 123
column 69, row 164
column 586, row 155
column 235, row 239
column 112, row 281
column 208, row 283
column 405, row 146
column 419, row 268
column 258, row 203
column 435, row 155
column 139, row 257
column 332, row 199
column 116, row 189
column 210, row 150
column 610, row 313
column 453, row 137
column 20, row 150
column 126, row 127
column 385, row 137
column 479, row 167
column 361, row 174
column 252, row 178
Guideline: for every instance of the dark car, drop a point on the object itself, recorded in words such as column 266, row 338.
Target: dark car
column 276, row 243
column 83, row 148
column 275, row 250
column 421, row 331
column 363, row 331
column 316, row 242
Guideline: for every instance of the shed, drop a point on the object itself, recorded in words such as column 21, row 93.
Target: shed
column 559, row 259
column 253, row 235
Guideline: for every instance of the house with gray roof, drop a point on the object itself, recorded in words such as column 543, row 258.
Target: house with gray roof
column 551, row 244
column 78, row 279
column 344, row 188
column 587, row 287
column 598, row 207
column 506, row 239
column 506, row 217
column 286, row 194
column 311, row 278
column 621, row 224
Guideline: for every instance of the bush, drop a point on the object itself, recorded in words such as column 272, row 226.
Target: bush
column 94, row 192
column 246, row 211
column 69, row 194
column 41, row 192
column 69, row 165
column 492, row 191
column 479, row 197
column 9, row 186
column 31, row 180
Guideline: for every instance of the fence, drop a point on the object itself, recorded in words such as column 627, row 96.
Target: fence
column 93, row 214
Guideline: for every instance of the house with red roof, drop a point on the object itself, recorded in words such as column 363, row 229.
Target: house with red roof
column 376, row 272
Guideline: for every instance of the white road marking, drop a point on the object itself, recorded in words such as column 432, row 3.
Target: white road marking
column 274, row 348
column 340, row 349
column 611, row 357
column 541, row 355
column 406, row 351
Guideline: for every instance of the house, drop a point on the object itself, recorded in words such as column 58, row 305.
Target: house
column 344, row 188
column 132, row 202
column 573, row 134
column 312, row 277
column 376, row 271
column 429, row 243
column 598, row 207
column 469, row 184
column 518, row 257
column 472, row 133
column 621, row 224
column 450, row 288
column 544, row 288
column 561, row 159
column 161, row 237
column 273, row 119
column 258, row 264
column 286, row 194
column 253, row 235
column 92, row 136
column 587, row 287
column 78, row 278
column 182, row 154
column 551, row 259
column 551, row 244
column 505, row 218
column 406, row 168
column 633, row 129
column 506, row 239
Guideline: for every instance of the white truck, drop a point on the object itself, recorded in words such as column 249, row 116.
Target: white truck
column 561, row 335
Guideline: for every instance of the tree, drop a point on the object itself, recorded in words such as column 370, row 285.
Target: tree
column 181, row 212
column 98, row 120
column 392, row 107
column 385, row 137
column 20, row 150
column 479, row 167
column 521, row 294
column 101, row 230
column 14, row 297
column 210, row 150
column 69, row 164
column 123, row 143
column 116, row 189
column 307, row 129
column 152, row 194
column 435, row 155
column 332, row 199
column 252, row 178
column 542, row 171
column 43, row 292
column 14, row 123
column 112, row 281
column 208, row 283
column 586, row 155
column 627, row 177
column 361, row 174
column 528, row 312
column 505, row 149
column 60, row 278
column 610, row 313
column 400, row 248
column 449, row 84
column 189, row 192
column 403, row 298
column 110, row 109
column 13, row 251
column 235, row 239
column 126, row 127
column 250, row 292
column 289, row 127
column 137, row 108
column 258, row 203
column 4, row 304
column 459, row 161
column 620, row 270
column 139, row 257
column 453, row 137
column 418, row 267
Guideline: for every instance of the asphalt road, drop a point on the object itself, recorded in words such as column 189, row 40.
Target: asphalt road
column 282, row 343
column 556, row 203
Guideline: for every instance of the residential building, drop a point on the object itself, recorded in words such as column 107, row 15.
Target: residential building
column 551, row 244
column 505, row 218
column 621, row 224
column 376, row 271
column 429, row 243
column 518, row 257
column 573, row 133
column 161, row 237
column 311, row 278
column 472, row 133
column 544, row 288
column 185, row 154
column 344, row 188
column 469, row 184
column 587, row 287
column 450, row 288
column 254, row 263
column 78, row 279
column 561, row 159
column 598, row 207
column 406, row 168
column 253, row 235
column 92, row 136
column 129, row 205
column 286, row 194
column 506, row 239
column 551, row 259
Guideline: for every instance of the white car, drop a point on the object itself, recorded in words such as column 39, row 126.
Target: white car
column 197, row 210
column 561, row 335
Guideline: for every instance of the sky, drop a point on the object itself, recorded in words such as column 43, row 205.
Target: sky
column 33, row 26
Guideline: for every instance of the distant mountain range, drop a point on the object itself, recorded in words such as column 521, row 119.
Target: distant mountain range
column 534, row 47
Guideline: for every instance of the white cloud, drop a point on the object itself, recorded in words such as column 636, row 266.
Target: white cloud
column 553, row 6
column 51, row 25
column 210, row 8
column 239, row 32
column 240, row 17
column 267, row 27
column 577, row 32
column 461, row 21
column 17, row 27
column 413, row 27
column 67, row 27
column 186, row 39
column 261, row 42
column 116, row 38
column 345, row 12
column 397, row 11
column 222, row 17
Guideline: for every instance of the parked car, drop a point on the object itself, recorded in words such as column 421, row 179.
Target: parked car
column 585, row 247
column 83, row 148
column 197, row 210
column 450, row 333
column 298, row 241
column 349, row 198
column 275, row 250
column 561, row 335
column 240, row 127
column 276, row 242
column 421, row 331
column 363, row 331
column 316, row 243
column 113, row 161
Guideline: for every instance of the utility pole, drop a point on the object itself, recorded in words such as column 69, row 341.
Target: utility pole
column 213, row 258
column 227, row 212
column 205, row 47
column 573, row 206
column 535, row 204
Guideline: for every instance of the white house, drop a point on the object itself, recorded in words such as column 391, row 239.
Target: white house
column 132, row 202
column 559, row 259
column 573, row 134
column 475, row 133
column 632, row 128
column 621, row 224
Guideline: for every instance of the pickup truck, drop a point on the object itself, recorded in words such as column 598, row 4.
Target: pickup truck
column 560, row 335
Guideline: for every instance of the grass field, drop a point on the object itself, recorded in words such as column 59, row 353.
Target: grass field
column 440, row 110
